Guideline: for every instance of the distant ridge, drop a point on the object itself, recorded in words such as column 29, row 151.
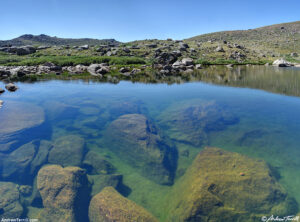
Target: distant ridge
column 43, row 39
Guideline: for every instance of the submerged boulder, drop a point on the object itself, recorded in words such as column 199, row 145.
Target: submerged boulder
column 191, row 122
column 64, row 192
column 16, row 165
column 95, row 164
column 226, row 186
column 137, row 141
column 10, row 206
column 99, row 182
column 67, row 151
column 110, row 206
column 21, row 164
column 17, row 118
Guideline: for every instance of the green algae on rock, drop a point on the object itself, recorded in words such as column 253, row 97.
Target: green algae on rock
column 95, row 164
column 110, row 206
column 10, row 206
column 99, row 182
column 137, row 141
column 225, row 186
column 67, row 151
column 65, row 193
column 191, row 121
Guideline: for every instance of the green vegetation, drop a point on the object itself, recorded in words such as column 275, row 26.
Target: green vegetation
column 13, row 60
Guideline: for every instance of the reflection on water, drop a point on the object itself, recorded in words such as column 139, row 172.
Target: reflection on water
column 142, row 139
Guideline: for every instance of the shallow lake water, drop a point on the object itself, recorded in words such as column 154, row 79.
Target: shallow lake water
column 264, row 124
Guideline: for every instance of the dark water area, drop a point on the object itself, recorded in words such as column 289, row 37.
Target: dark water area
column 141, row 138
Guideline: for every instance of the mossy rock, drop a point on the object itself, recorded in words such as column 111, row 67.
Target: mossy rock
column 65, row 193
column 192, row 121
column 10, row 206
column 95, row 164
column 226, row 186
column 67, row 151
column 138, row 142
column 110, row 206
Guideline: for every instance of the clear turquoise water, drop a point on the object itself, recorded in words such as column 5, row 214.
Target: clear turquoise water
column 268, row 127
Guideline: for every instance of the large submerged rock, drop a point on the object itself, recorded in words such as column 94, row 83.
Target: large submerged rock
column 67, row 151
column 191, row 122
column 110, row 206
column 24, row 162
column 10, row 206
column 137, row 141
column 95, row 164
column 226, row 186
column 64, row 192
column 17, row 118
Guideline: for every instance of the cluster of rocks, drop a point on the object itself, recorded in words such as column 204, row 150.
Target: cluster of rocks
column 173, row 67
column 21, row 50
column 282, row 63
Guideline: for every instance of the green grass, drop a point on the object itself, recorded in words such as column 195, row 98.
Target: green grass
column 68, row 60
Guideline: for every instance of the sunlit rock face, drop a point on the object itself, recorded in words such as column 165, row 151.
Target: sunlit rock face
column 17, row 119
column 192, row 121
column 226, row 186
column 110, row 206
column 137, row 141
column 65, row 193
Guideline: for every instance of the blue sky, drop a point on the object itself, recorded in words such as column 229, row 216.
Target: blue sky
column 127, row 20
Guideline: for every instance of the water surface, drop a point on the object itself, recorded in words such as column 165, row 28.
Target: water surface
column 267, row 122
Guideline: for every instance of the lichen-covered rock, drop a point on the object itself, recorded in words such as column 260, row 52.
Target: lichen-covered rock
column 191, row 122
column 95, row 164
column 137, row 141
column 64, row 192
column 226, row 186
column 10, row 206
column 110, row 206
column 67, row 151
column 18, row 117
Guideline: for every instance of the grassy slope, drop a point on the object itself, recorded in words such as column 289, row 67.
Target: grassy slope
column 276, row 39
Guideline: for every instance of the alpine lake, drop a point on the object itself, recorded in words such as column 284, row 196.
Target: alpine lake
column 220, row 145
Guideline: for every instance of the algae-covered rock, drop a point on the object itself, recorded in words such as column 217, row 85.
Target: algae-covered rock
column 110, row 206
column 99, row 182
column 137, row 141
column 226, row 186
column 67, row 151
column 192, row 121
column 18, row 117
column 10, row 206
column 95, row 164
column 64, row 192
